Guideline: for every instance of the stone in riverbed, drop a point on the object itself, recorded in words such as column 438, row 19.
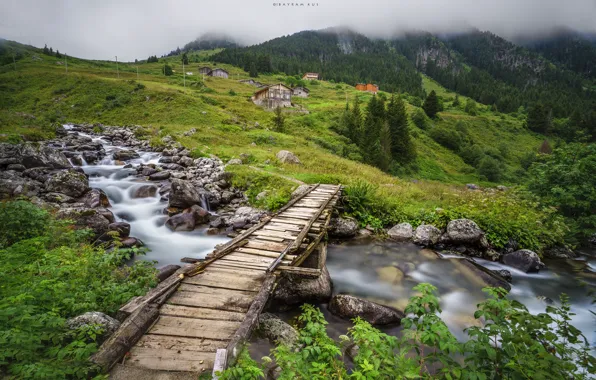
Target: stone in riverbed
column 32, row 155
column 181, row 222
column 86, row 218
column 95, row 198
column 125, row 154
column 390, row 274
column 131, row 242
column 505, row 274
column 68, row 182
column 427, row 235
column 346, row 306
column 343, row 227
column 524, row 260
column 295, row 289
column 144, row 191
column 401, row 232
column 183, row 194
column 464, row 231
column 276, row 330
column 122, row 228
column 160, row 176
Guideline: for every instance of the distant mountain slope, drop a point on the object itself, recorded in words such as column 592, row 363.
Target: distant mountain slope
column 207, row 41
column 339, row 55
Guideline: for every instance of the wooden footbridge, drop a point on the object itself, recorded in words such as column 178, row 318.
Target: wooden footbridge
column 197, row 320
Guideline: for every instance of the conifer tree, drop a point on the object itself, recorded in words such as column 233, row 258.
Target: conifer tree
column 185, row 59
column 538, row 119
column 375, row 117
column 402, row 147
column 383, row 160
column 431, row 105
column 354, row 126
column 253, row 70
column 46, row 50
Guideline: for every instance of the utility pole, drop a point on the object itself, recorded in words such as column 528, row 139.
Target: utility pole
column 66, row 62
column 117, row 72
column 183, row 74
column 137, row 72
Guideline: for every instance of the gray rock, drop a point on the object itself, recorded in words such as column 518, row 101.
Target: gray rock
column 125, row 154
column 95, row 198
column 145, row 191
column 86, row 218
column 505, row 274
column 299, row 191
column 160, row 176
column 108, row 324
column 181, row 222
column 287, row 157
column 262, row 195
column 244, row 215
column 277, row 331
column 295, row 289
column 472, row 186
column 33, row 155
column 16, row 167
column 183, row 194
column 68, row 182
column 57, row 198
column 235, row 161
column 346, row 306
column 186, row 161
column 122, row 228
column 524, row 260
column 401, row 232
column 559, row 253
column 343, row 227
column 427, row 235
column 464, row 231
column 131, row 242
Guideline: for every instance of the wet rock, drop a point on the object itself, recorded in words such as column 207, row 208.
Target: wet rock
column 125, row 155
column 16, row 167
column 174, row 167
column 479, row 275
column 401, row 232
column 181, row 222
column 109, row 325
column 160, row 176
column 33, row 155
column 295, row 289
column 165, row 160
column 183, row 194
column 200, row 214
column 217, row 223
column 427, row 235
column 145, row 191
column 131, row 242
column 86, row 218
column 390, row 274
column 276, row 330
column 559, row 253
column 147, row 171
column 186, row 161
column 95, row 198
column 505, row 274
column 106, row 214
column 464, row 231
column 77, row 160
column 524, row 260
column 57, row 198
column 244, row 215
column 167, row 271
column 122, row 228
column 343, row 227
column 299, row 191
column 287, row 157
column 227, row 196
column 348, row 307
column 68, row 182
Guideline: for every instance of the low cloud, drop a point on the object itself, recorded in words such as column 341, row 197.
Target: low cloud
column 102, row 29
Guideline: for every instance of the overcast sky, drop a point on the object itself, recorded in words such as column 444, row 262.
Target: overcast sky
column 101, row 29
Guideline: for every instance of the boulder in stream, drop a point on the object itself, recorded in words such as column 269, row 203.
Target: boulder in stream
column 295, row 289
column 125, row 154
column 184, row 221
column 401, row 232
column 95, row 198
column 343, row 227
column 144, row 191
column 86, row 218
column 68, row 182
column 464, row 231
column 427, row 235
column 33, row 155
column 524, row 260
column 160, row 176
column 183, row 194
column 276, row 330
column 346, row 306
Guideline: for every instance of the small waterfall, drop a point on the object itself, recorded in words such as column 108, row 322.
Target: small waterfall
column 205, row 203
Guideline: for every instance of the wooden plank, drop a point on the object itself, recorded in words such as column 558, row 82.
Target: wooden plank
column 295, row 216
column 306, row 272
column 171, row 360
column 200, row 312
column 215, row 291
column 308, row 210
column 180, row 343
column 274, row 227
column 117, row 345
column 232, row 282
column 222, row 263
column 289, row 220
column 258, row 252
column 276, row 234
column 268, row 238
column 195, row 328
column 244, row 272
column 221, row 358
column 229, row 302
column 268, row 246
column 252, row 316
column 237, row 256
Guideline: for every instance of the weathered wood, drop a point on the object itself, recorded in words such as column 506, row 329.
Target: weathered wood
column 114, row 348
column 243, row 332
column 306, row 272
column 239, row 265
column 180, row 343
column 229, row 302
column 194, row 328
column 171, row 360
column 220, row 362
column 283, row 235
column 200, row 312
column 191, row 260
column 268, row 246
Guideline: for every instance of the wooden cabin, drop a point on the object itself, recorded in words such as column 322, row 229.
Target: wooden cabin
column 204, row 70
column 311, row 76
column 217, row 72
column 278, row 95
column 301, row 92
column 369, row 87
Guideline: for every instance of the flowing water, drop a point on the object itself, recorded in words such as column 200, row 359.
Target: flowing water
column 145, row 215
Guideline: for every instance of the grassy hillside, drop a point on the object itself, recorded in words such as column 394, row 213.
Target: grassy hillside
column 228, row 124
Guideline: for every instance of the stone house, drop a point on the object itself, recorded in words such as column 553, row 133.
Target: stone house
column 300, row 91
column 311, row 76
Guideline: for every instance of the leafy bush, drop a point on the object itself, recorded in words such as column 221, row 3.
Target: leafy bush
column 51, row 274
column 449, row 138
column 21, row 220
column 420, row 119
column 490, row 168
column 565, row 179
column 252, row 182
column 510, row 343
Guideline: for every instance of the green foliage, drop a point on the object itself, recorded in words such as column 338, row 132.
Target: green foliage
column 490, row 168
column 402, row 146
column 277, row 189
column 449, row 138
column 167, row 70
column 21, row 220
column 471, row 107
column 431, row 105
column 48, row 276
column 278, row 120
column 565, row 179
column 510, row 343
column 539, row 119
column 420, row 119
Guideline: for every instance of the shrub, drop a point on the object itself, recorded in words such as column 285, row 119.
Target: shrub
column 490, row 168
column 449, row 138
column 21, row 220
column 420, row 119
column 472, row 154
column 511, row 343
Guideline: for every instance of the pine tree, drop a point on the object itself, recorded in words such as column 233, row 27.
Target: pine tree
column 431, row 105
column 185, row 59
column 253, row 70
column 354, row 126
column 384, row 157
column 402, row 147
column 375, row 117
column 58, row 55
column 538, row 119
column 46, row 51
